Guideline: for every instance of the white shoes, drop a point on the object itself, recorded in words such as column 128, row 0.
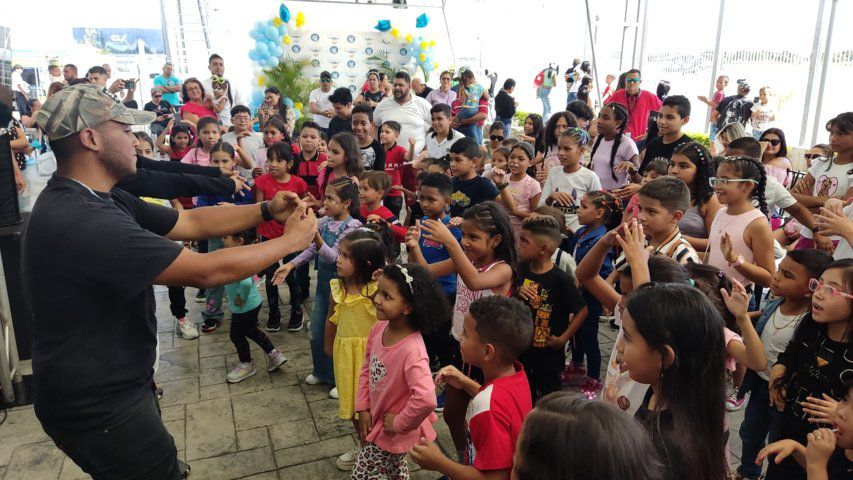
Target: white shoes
column 347, row 460
column 187, row 329
column 275, row 359
column 312, row 380
column 333, row 393
column 241, row 372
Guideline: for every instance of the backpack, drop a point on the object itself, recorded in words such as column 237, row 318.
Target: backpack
column 548, row 81
column 540, row 78
column 734, row 112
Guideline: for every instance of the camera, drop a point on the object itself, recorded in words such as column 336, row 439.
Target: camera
column 128, row 84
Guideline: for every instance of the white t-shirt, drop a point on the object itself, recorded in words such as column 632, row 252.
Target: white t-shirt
column 775, row 340
column 776, row 195
column 413, row 116
column 601, row 161
column 436, row 149
column 321, row 98
column 250, row 145
column 18, row 82
column 829, row 181
column 762, row 121
column 843, row 250
column 577, row 184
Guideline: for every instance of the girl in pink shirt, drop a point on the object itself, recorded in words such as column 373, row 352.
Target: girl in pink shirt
column 208, row 136
column 396, row 393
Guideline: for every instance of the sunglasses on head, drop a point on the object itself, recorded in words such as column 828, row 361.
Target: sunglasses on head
column 773, row 141
column 496, row 138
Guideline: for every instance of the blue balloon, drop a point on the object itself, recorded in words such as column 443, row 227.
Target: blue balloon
column 257, row 97
column 262, row 48
column 284, row 13
column 271, row 32
column 272, row 62
column 289, row 102
column 282, row 29
column 253, row 55
column 422, row 21
column 383, row 25
column 296, row 114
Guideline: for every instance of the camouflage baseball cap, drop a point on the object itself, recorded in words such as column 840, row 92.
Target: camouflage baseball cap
column 85, row 106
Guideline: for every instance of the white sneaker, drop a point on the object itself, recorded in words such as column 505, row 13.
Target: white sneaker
column 333, row 393
column 312, row 380
column 187, row 329
column 275, row 359
column 241, row 372
column 347, row 460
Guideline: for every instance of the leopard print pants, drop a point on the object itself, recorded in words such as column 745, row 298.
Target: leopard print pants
column 374, row 463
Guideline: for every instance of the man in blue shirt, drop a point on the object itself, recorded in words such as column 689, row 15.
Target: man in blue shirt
column 169, row 85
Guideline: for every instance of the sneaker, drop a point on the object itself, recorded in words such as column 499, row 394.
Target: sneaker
column 574, row 375
column 273, row 326
column 734, row 404
column 210, row 326
column 312, row 380
column 199, row 297
column 333, row 393
column 184, row 469
column 241, row 372
column 159, row 392
column 439, row 400
column 591, row 387
column 187, row 329
column 295, row 323
column 275, row 359
column 347, row 460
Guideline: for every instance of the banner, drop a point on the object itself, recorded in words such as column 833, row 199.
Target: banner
column 122, row 41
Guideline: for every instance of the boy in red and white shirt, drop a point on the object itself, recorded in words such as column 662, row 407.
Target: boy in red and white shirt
column 496, row 331
column 395, row 159
column 371, row 191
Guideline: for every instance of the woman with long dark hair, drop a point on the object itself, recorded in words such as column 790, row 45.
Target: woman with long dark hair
column 775, row 155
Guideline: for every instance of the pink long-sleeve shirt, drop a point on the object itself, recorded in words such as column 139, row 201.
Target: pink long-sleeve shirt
column 396, row 379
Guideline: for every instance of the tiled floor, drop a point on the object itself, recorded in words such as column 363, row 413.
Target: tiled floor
column 271, row 426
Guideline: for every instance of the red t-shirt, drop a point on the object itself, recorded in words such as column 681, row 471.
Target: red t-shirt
column 269, row 186
column 394, row 159
column 196, row 109
column 397, row 230
column 494, row 419
column 308, row 170
column 638, row 109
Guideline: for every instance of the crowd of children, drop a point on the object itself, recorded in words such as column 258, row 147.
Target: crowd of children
column 462, row 277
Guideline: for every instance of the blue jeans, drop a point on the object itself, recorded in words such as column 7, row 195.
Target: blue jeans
column 585, row 343
column 712, row 131
column 472, row 131
column 507, row 124
column 213, row 296
column 759, row 419
column 756, row 134
column 544, row 95
column 571, row 97
column 323, row 366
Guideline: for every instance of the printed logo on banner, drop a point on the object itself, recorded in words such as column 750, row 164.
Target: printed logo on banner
column 315, row 63
column 296, row 49
column 352, row 88
column 351, row 38
column 351, row 64
column 368, row 51
column 403, row 52
column 335, row 75
column 315, row 37
column 333, row 49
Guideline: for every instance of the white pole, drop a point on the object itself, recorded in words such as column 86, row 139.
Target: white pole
column 592, row 44
column 716, row 65
column 827, row 52
column 812, row 66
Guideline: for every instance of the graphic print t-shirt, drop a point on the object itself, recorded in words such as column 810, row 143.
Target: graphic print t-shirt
column 470, row 192
column 558, row 298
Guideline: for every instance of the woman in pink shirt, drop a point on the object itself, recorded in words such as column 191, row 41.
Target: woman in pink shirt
column 197, row 103
column 396, row 393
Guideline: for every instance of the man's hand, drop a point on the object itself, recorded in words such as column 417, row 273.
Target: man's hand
column 282, row 205
column 427, row 455
column 117, row 86
column 301, row 226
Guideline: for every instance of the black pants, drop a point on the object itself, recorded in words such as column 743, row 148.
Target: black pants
column 243, row 326
column 543, row 367
column 298, row 284
column 395, row 204
column 440, row 345
column 177, row 302
column 138, row 447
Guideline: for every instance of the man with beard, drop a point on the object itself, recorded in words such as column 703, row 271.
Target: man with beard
column 410, row 111
column 91, row 253
column 216, row 65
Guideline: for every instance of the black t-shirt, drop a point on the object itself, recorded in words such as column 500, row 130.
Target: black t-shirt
column 426, row 91
column 470, row 192
column 558, row 298
column 373, row 157
column 660, row 428
column 657, row 150
column 162, row 108
column 839, row 466
column 504, row 105
column 89, row 259
column 733, row 108
column 338, row 125
column 374, row 97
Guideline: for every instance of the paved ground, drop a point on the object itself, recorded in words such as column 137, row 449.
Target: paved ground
column 271, row 426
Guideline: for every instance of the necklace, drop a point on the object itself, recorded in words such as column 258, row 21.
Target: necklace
column 777, row 327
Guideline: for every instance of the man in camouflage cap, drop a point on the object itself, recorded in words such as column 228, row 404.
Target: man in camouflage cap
column 90, row 256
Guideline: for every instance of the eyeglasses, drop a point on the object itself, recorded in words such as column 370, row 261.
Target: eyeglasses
column 496, row 138
column 715, row 181
column 815, row 286
column 811, row 156
column 632, row 80
column 772, row 141
column 156, row 96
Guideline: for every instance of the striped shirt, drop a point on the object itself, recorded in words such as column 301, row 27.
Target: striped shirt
column 675, row 247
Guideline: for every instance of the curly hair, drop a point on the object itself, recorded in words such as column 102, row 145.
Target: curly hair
column 752, row 169
column 415, row 282
column 549, row 139
column 701, row 158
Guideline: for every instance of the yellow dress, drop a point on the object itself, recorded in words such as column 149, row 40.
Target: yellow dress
column 354, row 315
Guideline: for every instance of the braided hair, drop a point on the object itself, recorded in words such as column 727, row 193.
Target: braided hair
column 611, row 206
column 750, row 168
column 578, row 135
column 492, row 219
column 701, row 157
column 621, row 115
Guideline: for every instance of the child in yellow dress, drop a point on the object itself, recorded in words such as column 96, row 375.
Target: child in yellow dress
column 351, row 316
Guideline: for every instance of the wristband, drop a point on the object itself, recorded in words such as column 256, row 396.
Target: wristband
column 502, row 186
column 265, row 212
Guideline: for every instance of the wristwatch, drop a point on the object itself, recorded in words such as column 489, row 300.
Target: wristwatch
column 265, row 211
column 738, row 262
